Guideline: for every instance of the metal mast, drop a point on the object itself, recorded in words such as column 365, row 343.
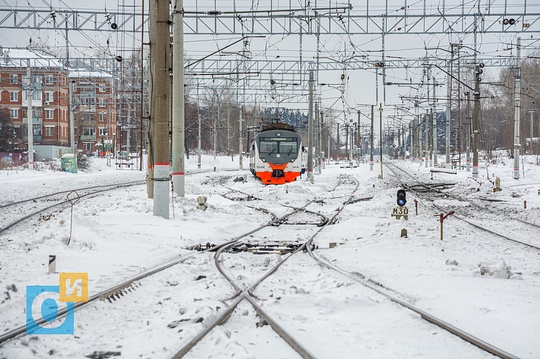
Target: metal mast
column 517, row 113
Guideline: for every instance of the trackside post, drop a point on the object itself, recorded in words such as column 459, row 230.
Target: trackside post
column 442, row 217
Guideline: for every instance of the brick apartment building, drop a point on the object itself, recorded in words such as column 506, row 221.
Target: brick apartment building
column 95, row 114
column 93, row 105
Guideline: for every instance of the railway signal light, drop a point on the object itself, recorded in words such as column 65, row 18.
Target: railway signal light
column 401, row 197
column 509, row 21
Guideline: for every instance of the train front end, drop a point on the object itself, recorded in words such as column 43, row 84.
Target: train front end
column 277, row 156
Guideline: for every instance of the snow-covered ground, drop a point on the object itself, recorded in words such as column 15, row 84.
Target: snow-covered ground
column 480, row 283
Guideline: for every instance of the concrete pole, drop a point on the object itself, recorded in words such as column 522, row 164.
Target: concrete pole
column 431, row 154
column 240, row 138
column 162, row 98
column 128, row 133
column 476, row 121
column 358, row 137
column 338, row 143
column 426, row 138
column 72, row 118
column 532, row 130
column 318, row 138
column 517, row 113
column 411, row 131
column 141, row 105
column 178, row 128
column 310, row 130
column 371, row 139
column 151, row 100
column 434, row 118
column 229, row 149
column 468, row 132
column 449, row 108
column 29, row 117
column 321, row 122
column 347, row 139
column 199, row 131
column 381, row 139
column 216, row 124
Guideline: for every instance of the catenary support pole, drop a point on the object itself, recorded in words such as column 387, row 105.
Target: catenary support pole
column 310, row 130
column 532, row 131
column 434, row 118
column 468, row 131
column 29, row 114
column 199, row 130
column 178, row 129
column 449, row 108
column 476, row 121
column 141, row 105
column 240, row 138
column 371, row 138
column 162, row 98
column 318, row 138
column 426, row 138
column 151, row 100
column 381, row 139
column 72, row 118
column 517, row 113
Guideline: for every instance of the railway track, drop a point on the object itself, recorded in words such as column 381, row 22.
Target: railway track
column 522, row 232
column 16, row 212
column 245, row 287
column 245, row 290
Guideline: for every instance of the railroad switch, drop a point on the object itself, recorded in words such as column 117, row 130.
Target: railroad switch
column 266, row 248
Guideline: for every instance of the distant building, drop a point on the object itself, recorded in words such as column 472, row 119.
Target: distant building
column 93, row 105
column 95, row 111
column 50, row 98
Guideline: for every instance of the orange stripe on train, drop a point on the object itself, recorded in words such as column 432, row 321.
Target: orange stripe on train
column 267, row 178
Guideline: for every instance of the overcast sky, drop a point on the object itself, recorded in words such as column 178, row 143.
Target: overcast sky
column 360, row 85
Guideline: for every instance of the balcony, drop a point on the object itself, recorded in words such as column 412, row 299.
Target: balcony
column 35, row 120
column 35, row 138
column 88, row 138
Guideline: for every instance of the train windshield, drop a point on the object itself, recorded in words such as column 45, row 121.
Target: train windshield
column 287, row 146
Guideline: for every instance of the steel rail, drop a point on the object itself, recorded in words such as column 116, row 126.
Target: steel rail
column 67, row 191
column 65, row 202
column 431, row 190
column 248, row 292
column 425, row 315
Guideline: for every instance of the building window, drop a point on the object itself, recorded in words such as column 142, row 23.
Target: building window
column 49, row 79
column 13, row 96
column 89, row 131
column 14, row 112
column 87, row 101
column 36, row 113
column 37, row 130
column 102, row 131
column 49, row 96
column 13, row 79
column 102, row 116
column 88, row 116
column 49, row 113
column 88, row 146
column 36, row 96
column 49, row 131
column 102, row 87
column 101, row 102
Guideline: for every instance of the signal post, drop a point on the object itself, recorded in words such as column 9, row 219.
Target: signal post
column 401, row 210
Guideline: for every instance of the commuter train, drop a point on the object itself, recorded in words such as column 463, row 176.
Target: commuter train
column 276, row 154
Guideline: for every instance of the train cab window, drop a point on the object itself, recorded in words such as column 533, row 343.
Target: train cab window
column 268, row 147
column 288, row 148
